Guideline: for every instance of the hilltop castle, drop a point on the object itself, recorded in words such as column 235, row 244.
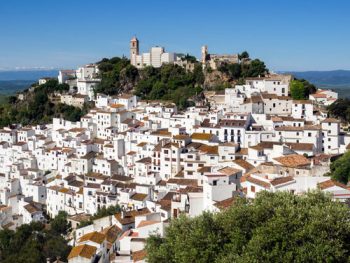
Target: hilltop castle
column 215, row 60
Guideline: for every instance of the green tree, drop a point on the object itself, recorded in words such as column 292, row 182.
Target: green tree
column 274, row 227
column 340, row 109
column 60, row 225
column 32, row 243
column 55, row 247
column 158, row 91
column 311, row 88
column 12, row 99
column 235, row 70
column 340, row 168
column 254, row 68
column 298, row 90
column 189, row 58
column 106, row 211
column 198, row 74
column 243, row 55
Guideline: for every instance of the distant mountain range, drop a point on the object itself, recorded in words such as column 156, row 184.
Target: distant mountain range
column 27, row 74
column 328, row 78
column 338, row 80
column 17, row 80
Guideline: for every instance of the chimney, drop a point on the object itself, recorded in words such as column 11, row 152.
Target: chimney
column 122, row 214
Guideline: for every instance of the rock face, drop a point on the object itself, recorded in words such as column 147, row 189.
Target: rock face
column 127, row 82
column 215, row 78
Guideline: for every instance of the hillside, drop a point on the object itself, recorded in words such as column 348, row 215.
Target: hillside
column 13, row 81
column 172, row 82
column 37, row 108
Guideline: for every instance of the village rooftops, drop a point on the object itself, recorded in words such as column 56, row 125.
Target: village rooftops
column 95, row 237
column 80, row 217
column 111, row 233
column 183, row 181
column 302, row 101
column 244, row 164
column 126, row 218
column 330, row 120
column 232, row 123
column 229, row 171
column 293, row 160
column 202, row 136
column 85, row 251
column 226, row 203
column 268, row 181
column 331, row 183
column 139, row 197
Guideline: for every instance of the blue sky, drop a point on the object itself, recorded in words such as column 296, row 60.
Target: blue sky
column 287, row 35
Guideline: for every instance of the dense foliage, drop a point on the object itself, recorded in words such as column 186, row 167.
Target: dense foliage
column 275, row 227
column 340, row 109
column 170, row 82
column 253, row 68
column 297, row 90
column 301, row 89
column 115, row 73
column 37, row 107
column 340, row 168
column 34, row 243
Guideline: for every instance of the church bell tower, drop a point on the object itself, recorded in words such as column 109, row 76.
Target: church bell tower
column 134, row 49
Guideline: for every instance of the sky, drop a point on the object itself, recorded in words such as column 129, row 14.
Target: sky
column 287, row 34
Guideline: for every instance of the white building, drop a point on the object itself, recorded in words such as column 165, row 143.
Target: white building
column 155, row 58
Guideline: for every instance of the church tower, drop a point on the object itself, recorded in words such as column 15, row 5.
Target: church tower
column 134, row 49
column 204, row 53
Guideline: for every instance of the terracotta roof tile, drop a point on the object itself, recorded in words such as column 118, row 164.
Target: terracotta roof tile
column 293, row 160
column 330, row 183
column 85, row 251
column 96, row 237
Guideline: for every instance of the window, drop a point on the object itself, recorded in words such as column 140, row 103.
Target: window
column 309, row 134
column 252, row 189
